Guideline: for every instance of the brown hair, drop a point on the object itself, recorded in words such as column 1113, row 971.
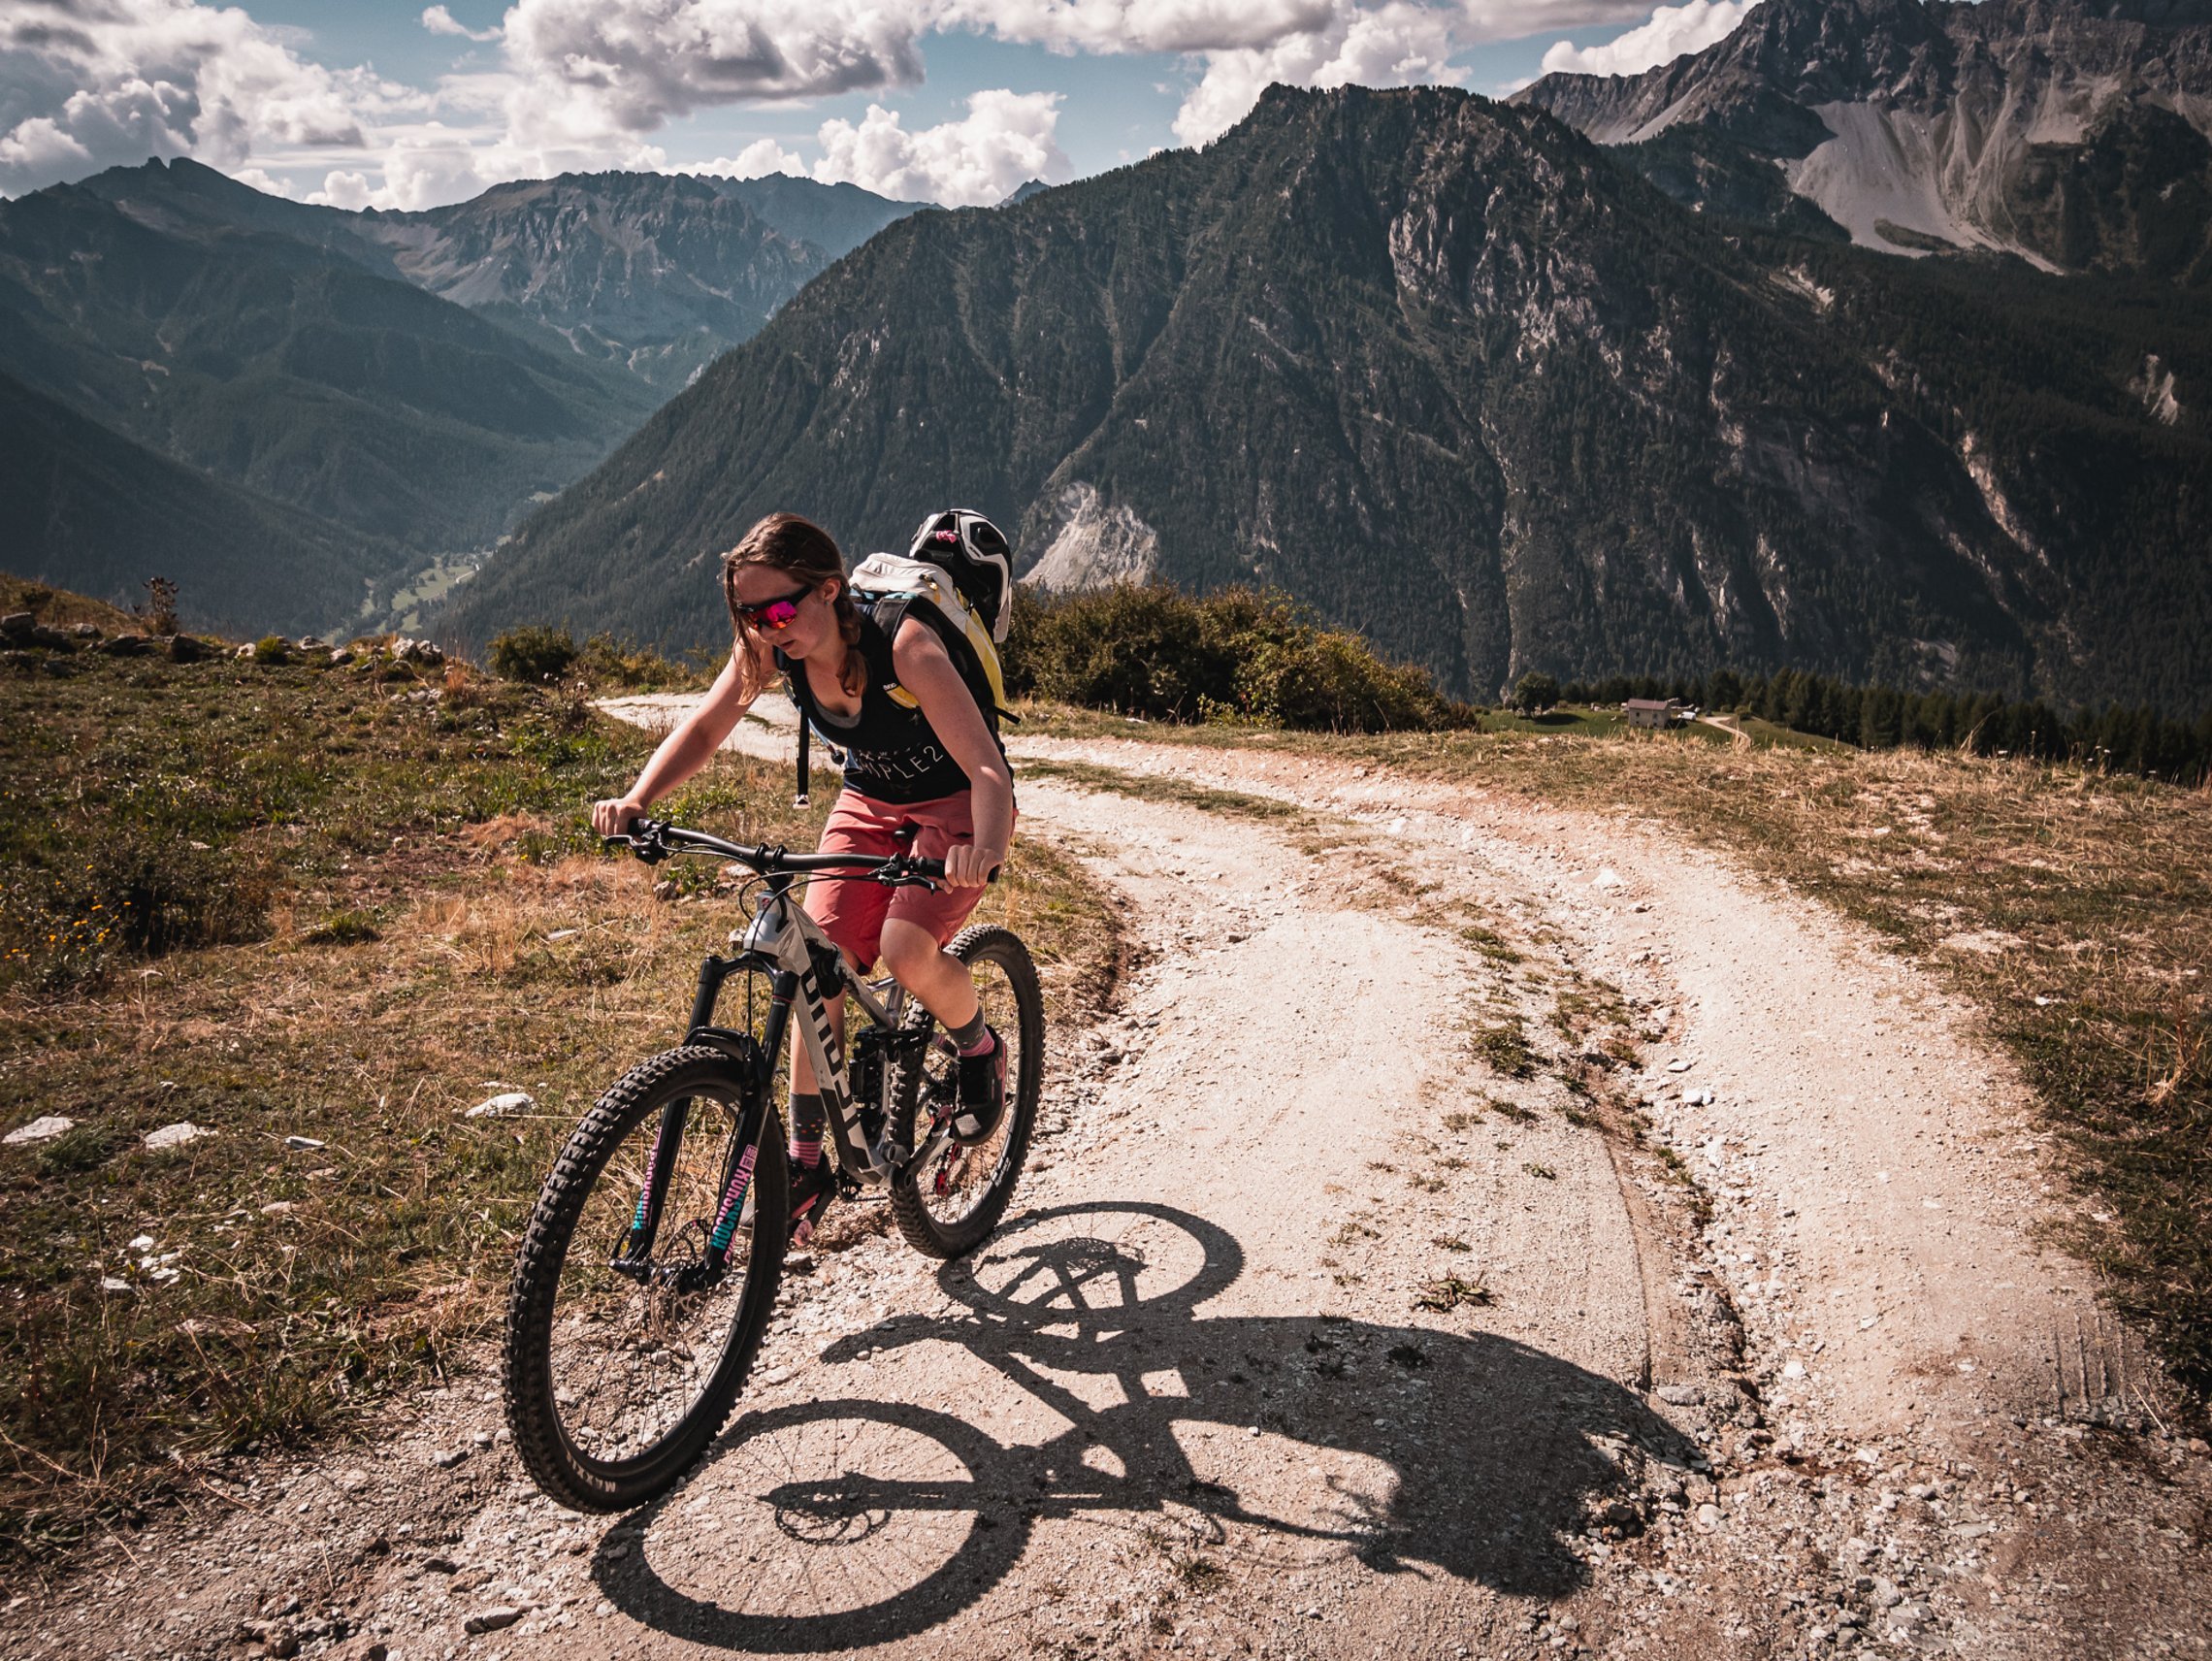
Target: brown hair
column 800, row 548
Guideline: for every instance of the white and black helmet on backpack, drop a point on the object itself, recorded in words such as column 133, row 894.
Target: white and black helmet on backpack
column 981, row 561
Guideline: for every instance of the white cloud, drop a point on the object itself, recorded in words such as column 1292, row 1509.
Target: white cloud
column 586, row 72
column 83, row 88
column 591, row 84
column 1143, row 25
column 598, row 70
column 440, row 22
column 756, row 160
column 1005, row 139
column 342, row 189
column 1673, row 30
column 1394, row 44
column 262, row 181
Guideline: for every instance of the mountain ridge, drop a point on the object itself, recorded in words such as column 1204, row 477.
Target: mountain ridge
column 1437, row 367
column 306, row 356
column 658, row 273
column 2057, row 130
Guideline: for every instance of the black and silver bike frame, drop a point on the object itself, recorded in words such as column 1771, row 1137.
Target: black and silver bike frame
column 805, row 971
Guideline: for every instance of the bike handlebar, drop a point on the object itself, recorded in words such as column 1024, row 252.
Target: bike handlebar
column 653, row 840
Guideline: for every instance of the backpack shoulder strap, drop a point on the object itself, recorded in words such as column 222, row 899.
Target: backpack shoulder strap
column 966, row 639
column 802, row 794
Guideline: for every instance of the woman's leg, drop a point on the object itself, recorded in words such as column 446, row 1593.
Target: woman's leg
column 941, row 981
column 932, row 974
column 917, row 920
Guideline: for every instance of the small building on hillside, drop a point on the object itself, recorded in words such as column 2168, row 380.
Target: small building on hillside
column 1655, row 712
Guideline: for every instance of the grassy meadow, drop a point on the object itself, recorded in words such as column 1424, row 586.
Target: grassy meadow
column 316, row 913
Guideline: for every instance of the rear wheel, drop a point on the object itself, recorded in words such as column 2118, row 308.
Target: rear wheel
column 953, row 1195
column 623, row 1355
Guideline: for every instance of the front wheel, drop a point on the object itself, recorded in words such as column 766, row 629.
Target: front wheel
column 953, row 1194
column 645, row 1280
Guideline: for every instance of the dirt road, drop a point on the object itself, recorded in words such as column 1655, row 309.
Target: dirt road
column 1344, row 1312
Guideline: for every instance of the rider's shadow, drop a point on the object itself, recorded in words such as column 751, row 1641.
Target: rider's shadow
column 1423, row 1451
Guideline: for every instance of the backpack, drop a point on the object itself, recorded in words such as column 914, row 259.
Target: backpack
column 958, row 577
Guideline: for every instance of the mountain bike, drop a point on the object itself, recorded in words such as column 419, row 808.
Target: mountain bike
column 649, row 1267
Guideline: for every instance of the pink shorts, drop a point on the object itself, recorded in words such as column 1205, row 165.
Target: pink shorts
column 852, row 910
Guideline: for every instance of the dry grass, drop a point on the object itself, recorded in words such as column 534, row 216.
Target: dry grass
column 62, row 609
column 434, row 922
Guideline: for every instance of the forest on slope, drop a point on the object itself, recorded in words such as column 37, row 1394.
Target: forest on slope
column 415, row 381
column 90, row 510
column 1455, row 378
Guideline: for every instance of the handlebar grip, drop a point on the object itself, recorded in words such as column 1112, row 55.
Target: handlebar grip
column 935, row 868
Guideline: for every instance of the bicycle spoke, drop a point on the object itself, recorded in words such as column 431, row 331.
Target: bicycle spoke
column 626, row 1346
column 632, row 1352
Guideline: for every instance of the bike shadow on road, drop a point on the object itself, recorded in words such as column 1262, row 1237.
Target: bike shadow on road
column 832, row 1524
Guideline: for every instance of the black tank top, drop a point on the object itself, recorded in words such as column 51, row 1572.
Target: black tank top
column 886, row 751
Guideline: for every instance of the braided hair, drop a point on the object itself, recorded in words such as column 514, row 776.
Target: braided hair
column 800, row 548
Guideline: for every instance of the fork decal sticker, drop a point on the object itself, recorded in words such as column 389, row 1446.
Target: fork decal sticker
column 830, row 1077
column 732, row 1202
column 645, row 1192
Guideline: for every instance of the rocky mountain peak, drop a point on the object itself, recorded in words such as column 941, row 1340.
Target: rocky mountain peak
column 1433, row 365
column 2046, row 128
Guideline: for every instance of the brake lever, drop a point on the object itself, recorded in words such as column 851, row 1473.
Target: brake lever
column 649, row 848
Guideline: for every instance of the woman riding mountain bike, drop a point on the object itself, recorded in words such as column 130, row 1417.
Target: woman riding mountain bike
column 925, row 775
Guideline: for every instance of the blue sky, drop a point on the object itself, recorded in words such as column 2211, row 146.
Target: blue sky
column 952, row 100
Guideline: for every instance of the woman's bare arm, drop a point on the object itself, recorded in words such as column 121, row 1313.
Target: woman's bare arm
column 925, row 670
column 683, row 752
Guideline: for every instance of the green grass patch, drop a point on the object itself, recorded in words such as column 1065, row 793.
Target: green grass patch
column 1503, row 1048
column 1770, row 734
column 1566, row 721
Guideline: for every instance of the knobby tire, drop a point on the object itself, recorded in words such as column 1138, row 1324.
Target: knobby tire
column 547, row 1452
column 928, row 1235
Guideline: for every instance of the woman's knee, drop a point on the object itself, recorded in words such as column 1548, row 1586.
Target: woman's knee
column 908, row 947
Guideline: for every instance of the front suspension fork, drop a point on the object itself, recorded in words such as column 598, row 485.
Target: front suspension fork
column 633, row 1258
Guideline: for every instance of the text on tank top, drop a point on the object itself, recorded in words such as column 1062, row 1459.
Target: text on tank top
column 885, row 750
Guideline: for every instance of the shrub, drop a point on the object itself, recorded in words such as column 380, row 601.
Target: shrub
column 1143, row 651
column 272, row 650
column 167, row 897
column 1535, row 691
column 1239, row 654
column 139, row 888
column 1329, row 682
column 605, row 662
column 158, row 610
column 532, row 653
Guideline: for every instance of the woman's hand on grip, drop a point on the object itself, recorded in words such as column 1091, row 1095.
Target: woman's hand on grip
column 967, row 865
column 614, row 818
